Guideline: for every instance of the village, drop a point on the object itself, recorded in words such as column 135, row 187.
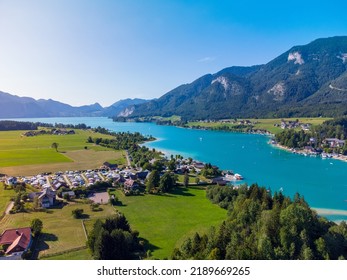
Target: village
column 48, row 190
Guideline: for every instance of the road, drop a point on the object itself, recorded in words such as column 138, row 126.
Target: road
column 9, row 207
column 128, row 159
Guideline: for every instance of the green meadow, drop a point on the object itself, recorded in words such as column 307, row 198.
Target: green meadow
column 21, row 155
column 163, row 221
column 265, row 124
column 5, row 196
column 166, row 220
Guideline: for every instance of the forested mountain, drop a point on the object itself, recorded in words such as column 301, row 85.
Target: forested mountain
column 309, row 80
column 12, row 106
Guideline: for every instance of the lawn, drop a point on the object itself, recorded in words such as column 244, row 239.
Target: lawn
column 166, row 220
column 20, row 155
column 61, row 232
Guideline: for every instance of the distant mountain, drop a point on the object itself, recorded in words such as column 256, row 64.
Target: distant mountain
column 12, row 106
column 117, row 108
column 306, row 80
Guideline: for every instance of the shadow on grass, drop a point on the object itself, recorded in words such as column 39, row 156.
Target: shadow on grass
column 40, row 244
column 147, row 245
column 182, row 191
column 83, row 216
column 120, row 204
column 58, row 205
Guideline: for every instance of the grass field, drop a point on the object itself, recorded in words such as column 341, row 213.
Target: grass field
column 265, row 124
column 82, row 254
column 61, row 232
column 166, row 220
column 5, row 196
column 20, row 155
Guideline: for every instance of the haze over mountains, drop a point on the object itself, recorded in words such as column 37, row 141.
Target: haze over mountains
column 12, row 106
column 309, row 80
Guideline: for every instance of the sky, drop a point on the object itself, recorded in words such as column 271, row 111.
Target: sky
column 81, row 51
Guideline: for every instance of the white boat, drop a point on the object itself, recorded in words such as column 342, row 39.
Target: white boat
column 238, row 176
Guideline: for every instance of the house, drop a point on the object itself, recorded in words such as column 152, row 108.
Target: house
column 130, row 184
column 219, row 181
column 334, row 142
column 71, row 194
column 15, row 241
column 289, row 124
column 46, row 197
column 11, row 181
column 142, row 175
column 198, row 165
column 108, row 165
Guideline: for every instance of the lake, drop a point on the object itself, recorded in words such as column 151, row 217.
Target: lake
column 323, row 182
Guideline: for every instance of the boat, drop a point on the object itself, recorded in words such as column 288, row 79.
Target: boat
column 238, row 176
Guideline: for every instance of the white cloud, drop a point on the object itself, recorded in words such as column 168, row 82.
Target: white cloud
column 207, row 59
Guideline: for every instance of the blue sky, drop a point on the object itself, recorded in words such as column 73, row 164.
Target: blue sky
column 81, row 51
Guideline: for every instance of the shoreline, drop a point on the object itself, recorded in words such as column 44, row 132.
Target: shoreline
column 327, row 211
column 331, row 212
column 279, row 146
column 264, row 133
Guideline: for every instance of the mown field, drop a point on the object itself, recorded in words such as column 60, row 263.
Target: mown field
column 5, row 196
column 20, row 155
column 265, row 124
column 166, row 220
column 61, row 232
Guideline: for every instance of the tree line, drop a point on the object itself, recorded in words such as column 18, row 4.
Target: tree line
column 8, row 125
column 113, row 239
column 15, row 125
column 120, row 140
column 260, row 225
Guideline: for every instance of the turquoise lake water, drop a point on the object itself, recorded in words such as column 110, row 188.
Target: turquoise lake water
column 323, row 182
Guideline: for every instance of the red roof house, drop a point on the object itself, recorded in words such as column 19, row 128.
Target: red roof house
column 16, row 240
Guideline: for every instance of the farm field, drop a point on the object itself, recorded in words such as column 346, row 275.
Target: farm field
column 82, row 254
column 20, row 155
column 166, row 220
column 61, row 232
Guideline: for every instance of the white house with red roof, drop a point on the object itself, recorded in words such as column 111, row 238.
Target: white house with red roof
column 15, row 242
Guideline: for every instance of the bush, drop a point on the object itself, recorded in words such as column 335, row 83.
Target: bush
column 95, row 207
column 77, row 213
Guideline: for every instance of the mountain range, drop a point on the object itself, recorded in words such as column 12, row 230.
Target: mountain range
column 12, row 106
column 308, row 80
